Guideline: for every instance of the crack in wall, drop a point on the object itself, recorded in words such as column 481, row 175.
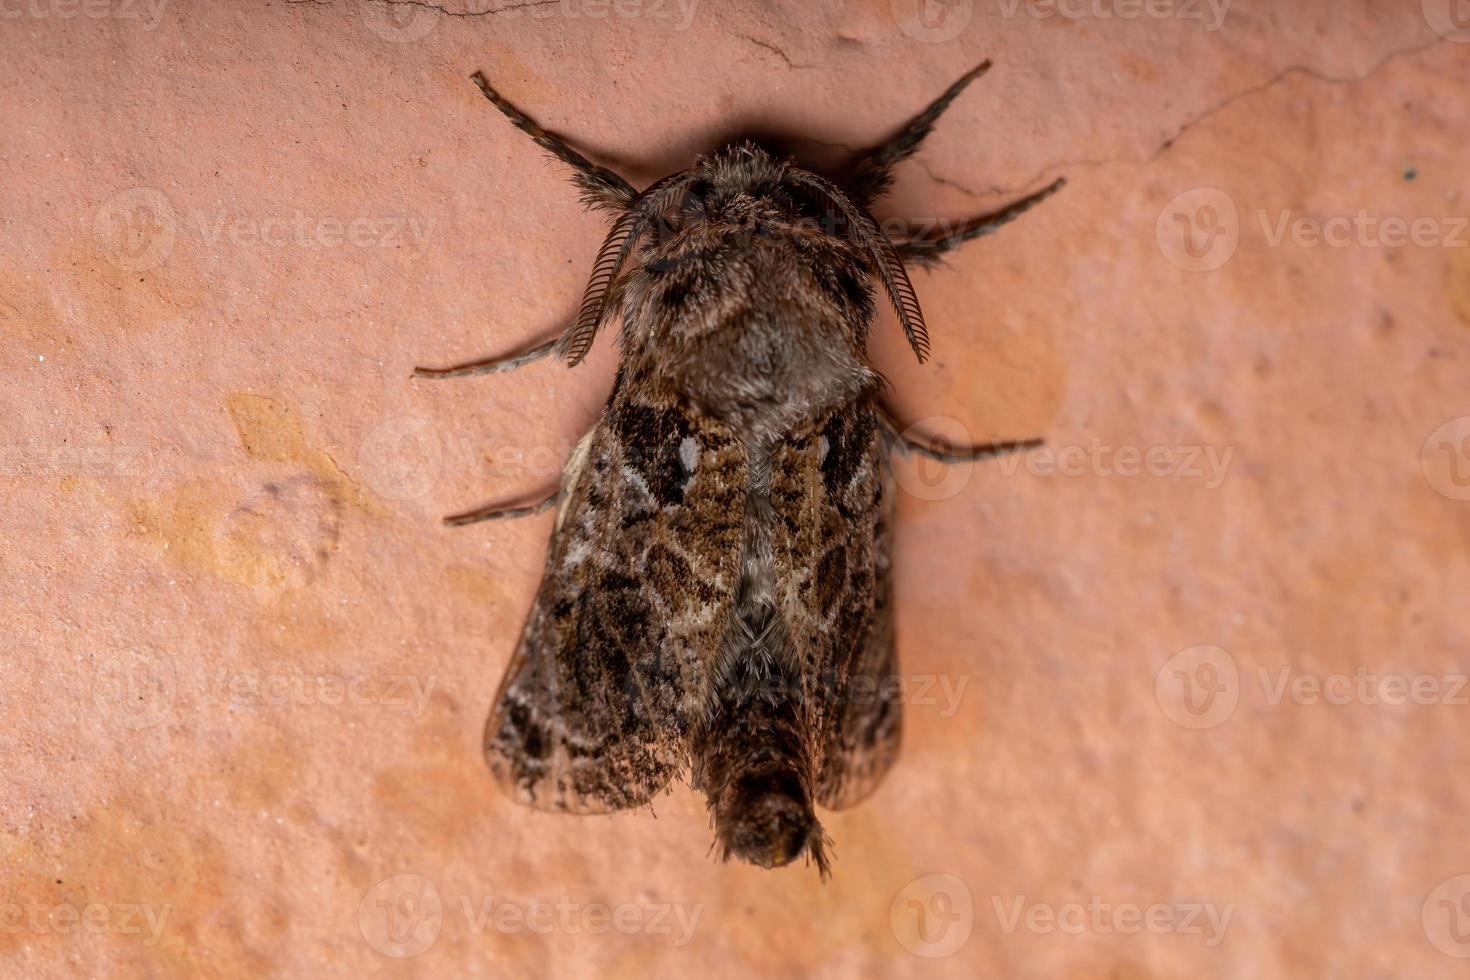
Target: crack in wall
column 996, row 189
column 776, row 50
column 489, row 12
column 1190, row 123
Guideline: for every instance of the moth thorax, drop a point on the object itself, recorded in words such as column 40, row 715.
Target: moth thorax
column 761, row 367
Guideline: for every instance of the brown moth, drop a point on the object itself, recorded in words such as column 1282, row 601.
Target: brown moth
column 716, row 602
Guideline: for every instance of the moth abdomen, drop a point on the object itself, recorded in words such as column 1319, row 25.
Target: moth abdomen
column 770, row 820
column 754, row 766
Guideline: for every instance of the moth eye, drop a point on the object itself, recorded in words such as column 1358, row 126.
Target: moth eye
column 689, row 454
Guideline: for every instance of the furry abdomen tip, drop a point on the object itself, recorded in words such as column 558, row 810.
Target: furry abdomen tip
column 769, row 821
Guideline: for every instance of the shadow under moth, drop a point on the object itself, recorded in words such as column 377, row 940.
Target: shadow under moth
column 716, row 603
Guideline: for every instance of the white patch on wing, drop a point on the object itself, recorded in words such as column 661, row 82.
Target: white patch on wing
column 636, row 478
column 689, row 453
column 578, row 551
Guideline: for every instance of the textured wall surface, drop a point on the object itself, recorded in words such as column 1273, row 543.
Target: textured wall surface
column 1185, row 693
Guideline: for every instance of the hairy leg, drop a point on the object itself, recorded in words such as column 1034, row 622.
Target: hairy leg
column 492, row 365
column 601, row 188
column 875, row 172
column 893, row 436
column 927, row 251
column 497, row 512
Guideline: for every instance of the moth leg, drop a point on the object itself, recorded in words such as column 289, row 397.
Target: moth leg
column 875, row 172
column 490, row 365
column 498, row 512
column 926, row 251
column 894, row 437
column 600, row 187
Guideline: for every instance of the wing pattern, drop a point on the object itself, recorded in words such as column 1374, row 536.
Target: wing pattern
column 640, row 580
column 832, row 557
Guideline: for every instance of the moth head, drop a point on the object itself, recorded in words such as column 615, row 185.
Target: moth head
column 748, row 189
column 739, row 194
column 743, row 186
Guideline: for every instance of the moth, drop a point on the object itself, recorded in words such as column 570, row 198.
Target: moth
column 717, row 602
